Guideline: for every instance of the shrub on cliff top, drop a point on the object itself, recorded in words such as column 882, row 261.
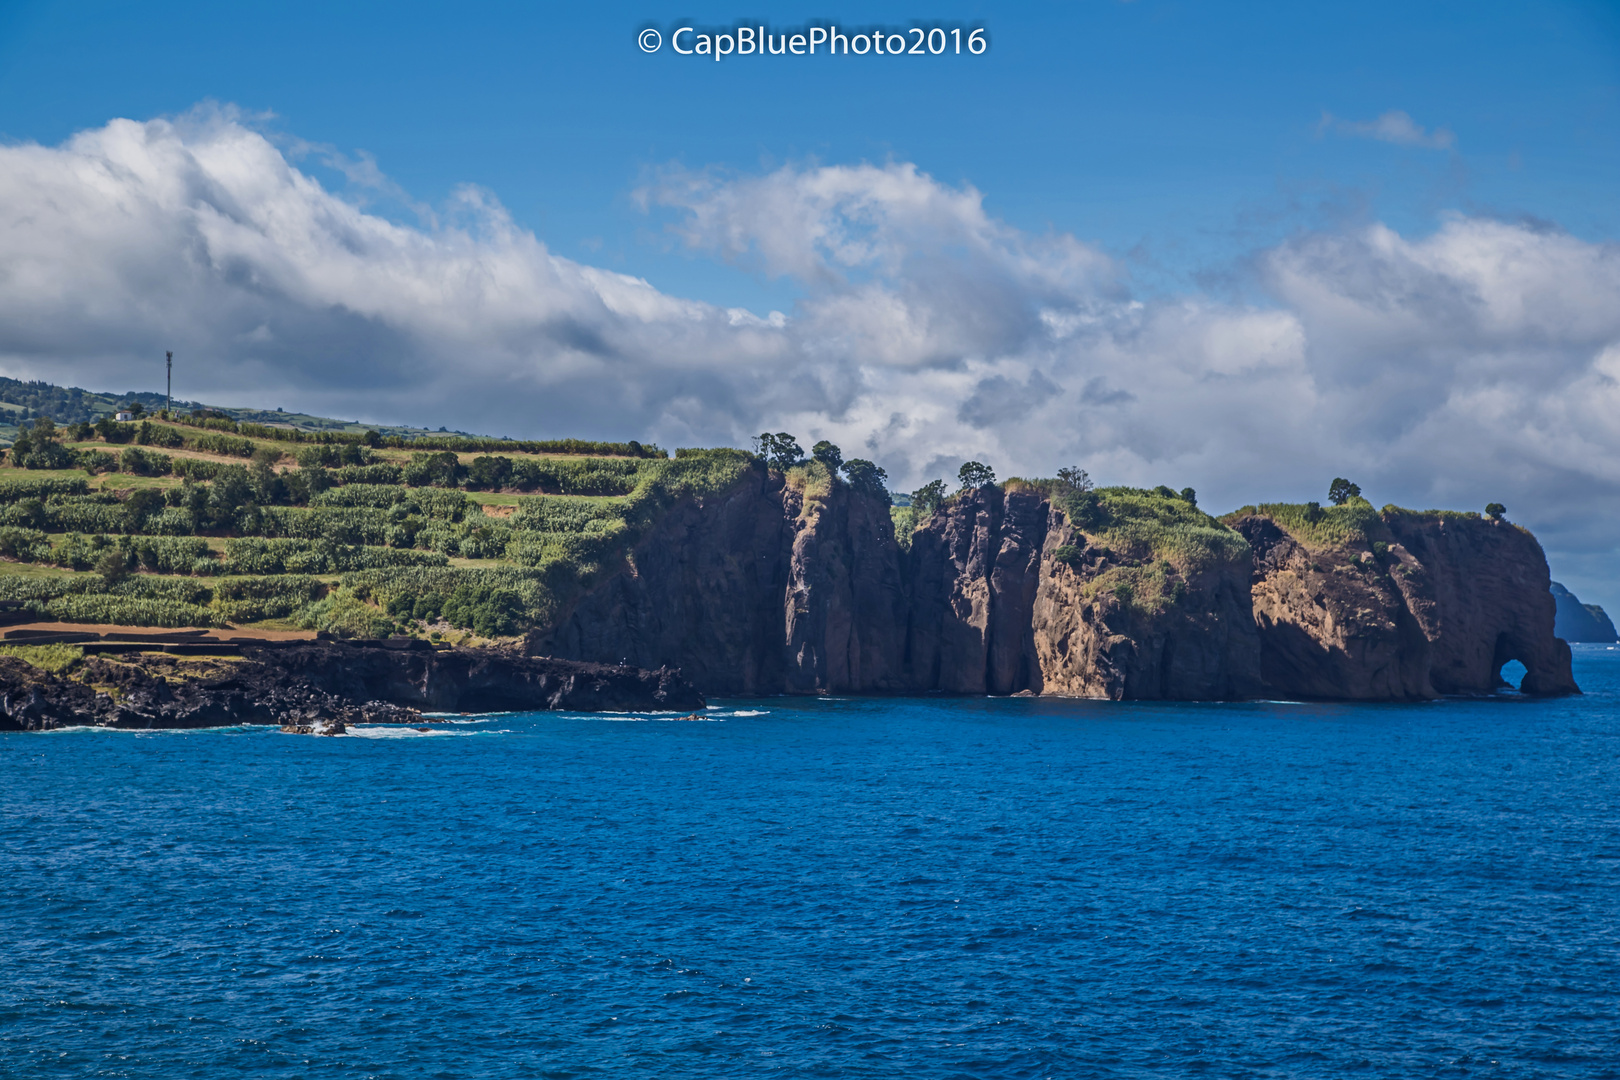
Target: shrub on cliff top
column 781, row 451
column 926, row 499
column 1317, row 526
column 1145, row 524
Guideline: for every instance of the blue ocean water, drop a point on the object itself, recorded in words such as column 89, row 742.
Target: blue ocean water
column 827, row 888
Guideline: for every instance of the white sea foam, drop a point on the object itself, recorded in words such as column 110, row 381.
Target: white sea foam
column 392, row 731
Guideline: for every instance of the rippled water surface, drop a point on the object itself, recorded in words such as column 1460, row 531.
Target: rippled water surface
column 850, row 888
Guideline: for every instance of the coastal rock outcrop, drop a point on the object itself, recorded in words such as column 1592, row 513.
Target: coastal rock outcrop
column 321, row 683
column 790, row 586
column 1195, row 640
column 974, row 571
column 768, row 589
column 1416, row 606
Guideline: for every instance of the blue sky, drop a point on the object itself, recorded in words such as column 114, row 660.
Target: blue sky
column 1242, row 246
column 1178, row 135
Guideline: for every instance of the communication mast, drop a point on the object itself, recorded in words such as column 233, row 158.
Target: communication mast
column 169, row 364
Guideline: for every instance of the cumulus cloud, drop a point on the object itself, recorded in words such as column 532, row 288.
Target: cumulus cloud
column 1394, row 126
column 1480, row 362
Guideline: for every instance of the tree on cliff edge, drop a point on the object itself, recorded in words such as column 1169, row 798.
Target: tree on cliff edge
column 865, row 476
column 975, row 474
column 1342, row 491
column 927, row 498
column 828, row 454
column 780, row 451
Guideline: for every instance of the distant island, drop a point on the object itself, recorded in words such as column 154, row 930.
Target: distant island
column 758, row 571
column 1578, row 622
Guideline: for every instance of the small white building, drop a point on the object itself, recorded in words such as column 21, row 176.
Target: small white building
column 125, row 415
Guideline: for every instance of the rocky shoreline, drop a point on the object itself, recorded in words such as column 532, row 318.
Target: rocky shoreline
column 766, row 590
column 318, row 685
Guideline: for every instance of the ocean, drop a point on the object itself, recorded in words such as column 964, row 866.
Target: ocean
column 921, row 888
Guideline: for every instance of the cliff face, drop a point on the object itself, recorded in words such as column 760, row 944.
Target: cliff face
column 1480, row 592
column 1330, row 625
column 778, row 588
column 1423, row 605
column 705, row 593
column 1197, row 643
column 974, row 570
column 768, row 591
column 755, row 592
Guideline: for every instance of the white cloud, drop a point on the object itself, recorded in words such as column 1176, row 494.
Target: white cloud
column 1476, row 363
column 1393, row 126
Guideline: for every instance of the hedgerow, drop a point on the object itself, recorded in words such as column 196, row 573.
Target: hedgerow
column 249, row 599
column 257, row 555
column 126, row 611
column 368, row 474
column 343, row 525
column 16, row 488
column 24, row 545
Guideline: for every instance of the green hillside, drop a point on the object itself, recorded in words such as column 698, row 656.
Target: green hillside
column 206, row 520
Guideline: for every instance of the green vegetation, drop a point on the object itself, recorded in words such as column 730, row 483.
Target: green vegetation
column 1319, row 527
column 814, row 480
column 1495, row 511
column 1154, row 527
column 1341, row 491
column 828, row 454
column 780, row 451
column 975, row 474
column 53, row 658
column 252, row 542
column 1068, row 554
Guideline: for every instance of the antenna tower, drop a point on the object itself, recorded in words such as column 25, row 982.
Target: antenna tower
column 169, row 364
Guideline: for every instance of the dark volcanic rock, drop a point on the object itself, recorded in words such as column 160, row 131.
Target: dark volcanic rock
column 325, row 682
column 758, row 591
column 473, row 680
column 706, row 587
column 1090, row 643
column 1481, row 594
column 975, row 569
column 764, row 591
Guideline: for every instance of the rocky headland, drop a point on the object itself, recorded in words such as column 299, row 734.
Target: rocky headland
column 800, row 584
column 787, row 585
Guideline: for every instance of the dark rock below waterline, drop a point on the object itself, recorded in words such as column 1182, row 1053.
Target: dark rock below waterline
column 322, row 683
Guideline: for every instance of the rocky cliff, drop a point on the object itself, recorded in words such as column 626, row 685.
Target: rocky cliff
column 798, row 585
column 1361, row 605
